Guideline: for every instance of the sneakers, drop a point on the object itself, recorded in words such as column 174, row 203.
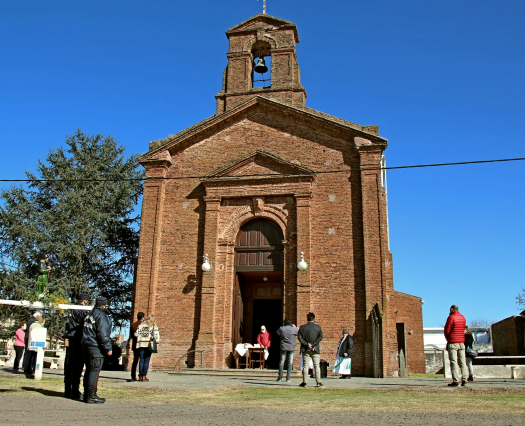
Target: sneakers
column 303, row 385
column 288, row 381
column 319, row 385
column 470, row 378
column 279, row 380
column 453, row 384
column 463, row 382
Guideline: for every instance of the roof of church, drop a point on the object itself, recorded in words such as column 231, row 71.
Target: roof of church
column 318, row 117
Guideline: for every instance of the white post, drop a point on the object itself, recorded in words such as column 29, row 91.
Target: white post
column 39, row 363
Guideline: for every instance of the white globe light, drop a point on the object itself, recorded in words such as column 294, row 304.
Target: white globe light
column 302, row 265
column 206, row 267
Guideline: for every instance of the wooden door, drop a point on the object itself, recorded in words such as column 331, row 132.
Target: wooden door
column 259, row 247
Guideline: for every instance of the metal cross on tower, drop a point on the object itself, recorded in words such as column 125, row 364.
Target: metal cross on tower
column 264, row 6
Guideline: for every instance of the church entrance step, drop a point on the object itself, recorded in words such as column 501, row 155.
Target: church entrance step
column 248, row 372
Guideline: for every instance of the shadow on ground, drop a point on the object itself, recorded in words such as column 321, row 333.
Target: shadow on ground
column 45, row 392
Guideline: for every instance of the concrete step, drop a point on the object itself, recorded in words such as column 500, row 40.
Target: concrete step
column 241, row 372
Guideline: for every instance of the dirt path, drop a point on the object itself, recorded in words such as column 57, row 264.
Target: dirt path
column 22, row 408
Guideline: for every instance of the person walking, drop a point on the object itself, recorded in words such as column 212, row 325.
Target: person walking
column 455, row 335
column 310, row 335
column 287, row 332
column 136, row 352
column 469, row 342
column 343, row 360
column 96, row 343
column 146, row 333
column 74, row 354
column 30, row 356
column 19, row 344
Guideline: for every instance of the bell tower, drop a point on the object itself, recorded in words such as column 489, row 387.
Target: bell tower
column 262, row 61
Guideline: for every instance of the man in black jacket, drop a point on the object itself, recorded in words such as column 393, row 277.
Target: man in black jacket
column 96, row 344
column 310, row 335
column 74, row 354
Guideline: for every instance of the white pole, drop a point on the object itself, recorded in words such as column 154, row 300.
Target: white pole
column 40, row 305
column 39, row 363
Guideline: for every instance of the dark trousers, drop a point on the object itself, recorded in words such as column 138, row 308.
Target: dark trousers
column 136, row 358
column 73, row 368
column 29, row 362
column 93, row 366
column 145, row 356
column 19, row 350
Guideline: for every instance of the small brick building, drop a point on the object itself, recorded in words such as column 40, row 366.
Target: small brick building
column 253, row 186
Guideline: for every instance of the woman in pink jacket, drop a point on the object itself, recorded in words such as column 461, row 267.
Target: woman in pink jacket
column 19, row 344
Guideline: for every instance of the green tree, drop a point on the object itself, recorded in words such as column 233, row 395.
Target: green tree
column 80, row 211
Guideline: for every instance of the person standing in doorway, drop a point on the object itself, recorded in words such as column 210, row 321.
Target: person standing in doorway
column 287, row 332
column 96, row 343
column 146, row 334
column 343, row 360
column 19, row 344
column 264, row 339
column 136, row 351
column 455, row 335
column 74, row 353
column 310, row 335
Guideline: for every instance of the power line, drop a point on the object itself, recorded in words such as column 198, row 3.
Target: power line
column 366, row 167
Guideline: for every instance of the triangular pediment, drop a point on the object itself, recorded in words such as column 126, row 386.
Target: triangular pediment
column 258, row 164
column 219, row 122
column 262, row 21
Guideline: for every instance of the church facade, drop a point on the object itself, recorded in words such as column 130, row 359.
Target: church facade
column 253, row 190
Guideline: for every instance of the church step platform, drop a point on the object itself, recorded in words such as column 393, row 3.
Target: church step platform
column 241, row 372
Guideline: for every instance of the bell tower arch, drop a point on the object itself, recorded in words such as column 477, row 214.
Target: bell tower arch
column 261, row 41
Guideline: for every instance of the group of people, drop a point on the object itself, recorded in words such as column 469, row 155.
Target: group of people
column 21, row 344
column 310, row 336
column 88, row 342
column 459, row 346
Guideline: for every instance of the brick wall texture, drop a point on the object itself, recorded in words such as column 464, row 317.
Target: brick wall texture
column 265, row 145
column 508, row 337
column 409, row 311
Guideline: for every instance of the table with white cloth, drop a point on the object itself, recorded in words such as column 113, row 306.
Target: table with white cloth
column 244, row 350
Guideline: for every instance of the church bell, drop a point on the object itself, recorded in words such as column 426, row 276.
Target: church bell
column 261, row 67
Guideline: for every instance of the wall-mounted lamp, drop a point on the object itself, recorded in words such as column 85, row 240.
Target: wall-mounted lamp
column 265, row 278
column 302, row 265
column 206, row 266
column 411, row 332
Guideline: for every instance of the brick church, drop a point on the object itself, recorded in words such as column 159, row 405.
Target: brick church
column 252, row 190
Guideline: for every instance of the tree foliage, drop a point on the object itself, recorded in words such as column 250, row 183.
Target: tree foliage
column 520, row 299
column 80, row 212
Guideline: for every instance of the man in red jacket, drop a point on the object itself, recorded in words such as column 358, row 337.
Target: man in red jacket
column 455, row 335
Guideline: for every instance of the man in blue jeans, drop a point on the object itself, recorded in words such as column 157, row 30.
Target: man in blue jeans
column 287, row 332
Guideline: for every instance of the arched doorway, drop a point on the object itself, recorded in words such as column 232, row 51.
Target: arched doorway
column 258, row 290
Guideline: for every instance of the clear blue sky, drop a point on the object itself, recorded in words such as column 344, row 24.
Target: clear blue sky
column 443, row 79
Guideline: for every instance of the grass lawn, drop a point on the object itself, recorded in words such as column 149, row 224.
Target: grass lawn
column 437, row 400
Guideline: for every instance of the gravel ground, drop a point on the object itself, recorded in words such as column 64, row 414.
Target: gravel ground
column 31, row 410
